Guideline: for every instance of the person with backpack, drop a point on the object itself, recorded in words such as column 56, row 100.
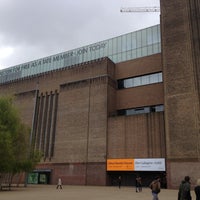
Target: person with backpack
column 155, row 188
column 184, row 189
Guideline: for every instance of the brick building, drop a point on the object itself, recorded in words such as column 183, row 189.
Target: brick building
column 124, row 106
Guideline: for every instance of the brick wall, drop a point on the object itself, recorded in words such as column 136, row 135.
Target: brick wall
column 180, row 57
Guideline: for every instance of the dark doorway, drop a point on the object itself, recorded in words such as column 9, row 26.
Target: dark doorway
column 129, row 178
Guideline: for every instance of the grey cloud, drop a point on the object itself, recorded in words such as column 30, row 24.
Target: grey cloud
column 54, row 26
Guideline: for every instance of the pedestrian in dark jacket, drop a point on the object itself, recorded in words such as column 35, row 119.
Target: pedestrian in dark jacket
column 138, row 184
column 119, row 181
column 184, row 189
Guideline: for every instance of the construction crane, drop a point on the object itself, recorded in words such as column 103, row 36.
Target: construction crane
column 140, row 9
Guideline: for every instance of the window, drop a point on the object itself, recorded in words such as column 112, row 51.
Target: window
column 141, row 110
column 140, row 80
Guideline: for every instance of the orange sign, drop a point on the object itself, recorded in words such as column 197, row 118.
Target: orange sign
column 120, row 164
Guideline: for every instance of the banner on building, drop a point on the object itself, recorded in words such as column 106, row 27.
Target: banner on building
column 120, row 164
column 143, row 164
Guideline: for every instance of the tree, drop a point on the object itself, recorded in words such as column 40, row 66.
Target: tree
column 16, row 155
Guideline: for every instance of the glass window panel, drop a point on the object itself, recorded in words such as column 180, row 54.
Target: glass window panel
column 52, row 64
column 47, row 66
column 153, row 78
column 149, row 36
column 97, row 53
column 155, row 34
column 159, row 108
column 128, row 83
column 85, row 57
column 29, row 70
column 155, row 48
column 61, row 63
column 137, row 81
column 139, row 38
column 160, row 79
column 139, row 52
column 157, row 77
column 100, row 53
column 114, row 45
column 129, row 55
column 81, row 57
column 134, row 54
column 144, row 51
column 128, row 42
column 145, row 80
column 115, row 58
column 119, row 57
column 158, row 29
column 32, row 70
column 130, row 112
column 144, row 37
column 76, row 60
column 110, row 47
column 149, row 50
column 105, row 50
column 14, row 75
column 42, row 68
column 139, row 110
column 124, row 43
column 92, row 55
column 94, row 51
column 147, row 110
column 123, row 56
column 134, row 41
column 119, row 44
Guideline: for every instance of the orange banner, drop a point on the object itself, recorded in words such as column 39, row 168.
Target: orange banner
column 120, row 164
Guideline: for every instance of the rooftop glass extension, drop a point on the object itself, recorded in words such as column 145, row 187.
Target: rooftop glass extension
column 125, row 47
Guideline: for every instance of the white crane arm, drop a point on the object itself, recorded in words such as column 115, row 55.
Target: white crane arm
column 140, row 9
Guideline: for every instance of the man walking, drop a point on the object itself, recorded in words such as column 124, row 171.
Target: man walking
column 184, row 189
column 155, row 188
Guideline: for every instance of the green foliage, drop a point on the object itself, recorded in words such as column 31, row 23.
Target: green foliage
column 15, row 153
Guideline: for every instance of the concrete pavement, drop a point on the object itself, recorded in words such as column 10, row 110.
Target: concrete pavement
column 49, row 192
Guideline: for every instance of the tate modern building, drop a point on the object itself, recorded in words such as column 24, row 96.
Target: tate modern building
column 125, row 106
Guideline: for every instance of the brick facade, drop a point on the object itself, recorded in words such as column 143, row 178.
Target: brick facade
column 85, row 132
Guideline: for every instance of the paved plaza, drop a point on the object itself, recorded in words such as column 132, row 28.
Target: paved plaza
column 49, row 192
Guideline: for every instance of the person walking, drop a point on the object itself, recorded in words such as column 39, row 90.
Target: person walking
column 155, row 188
column 59, row 185
column 138, row 184
column 184, row 189
column 197, row 190
column 119, row 181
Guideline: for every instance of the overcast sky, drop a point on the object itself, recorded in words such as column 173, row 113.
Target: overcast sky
column 32, row 29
